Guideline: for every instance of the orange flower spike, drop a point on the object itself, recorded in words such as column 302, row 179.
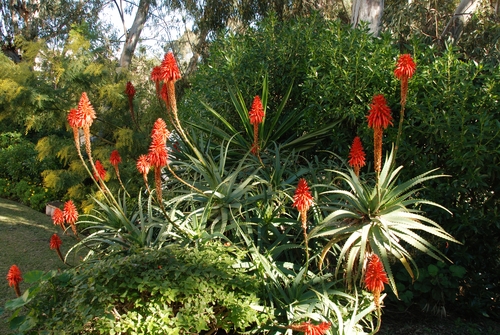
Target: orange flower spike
column 14, row 277
column 378, row 119
column 115, row 158
column 143, row 167
column 158, row 154
column 256, row 116
column 375, row 278
column 58, row 218
column 405, row 67
column 85, row 111
column 55, row 244
column 156, row 77
column 160, row 130
column 74, row 119
column 164, row 94
column 302, row 199
column 309, row 328
column 100, row 172
column 169, row 71
column 71, row 215
column 256, row 113
column 380, row 113
column 357, row 155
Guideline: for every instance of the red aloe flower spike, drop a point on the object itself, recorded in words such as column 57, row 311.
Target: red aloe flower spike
column 100, row 171
column 14, row 277
column 100, row 174
column 115, row 158
column 405, row 69
column 58, row 218
column 85, row 112
column 76, row 122
column 164, row 94
column 378, row 119
column 169, row 69
column 256, row 116
column 55, row 243
column 74, row 119
column 156, row 77
column 302, row 200
column 130, row 92
column 169, row 74
column 143, row 168
column 71, row 215
column 311, row 329
column 130, row 89
column 375, row 278
column 357, row 155
column 158, row 154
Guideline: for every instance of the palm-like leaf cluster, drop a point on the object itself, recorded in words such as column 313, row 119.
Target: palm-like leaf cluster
column 383, row 218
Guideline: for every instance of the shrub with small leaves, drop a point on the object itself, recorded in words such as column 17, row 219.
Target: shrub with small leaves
column 174, row 290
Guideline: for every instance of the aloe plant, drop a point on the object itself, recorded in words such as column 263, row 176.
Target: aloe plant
column 383, row 218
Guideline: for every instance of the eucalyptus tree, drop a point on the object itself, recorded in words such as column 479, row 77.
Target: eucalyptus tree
column 33, row 20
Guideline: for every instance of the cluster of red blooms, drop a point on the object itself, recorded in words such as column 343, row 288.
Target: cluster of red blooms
column 405, row 68
column 130, row 92
column 55, row 244
column 375, row 278
column 302, row 200
column 164, row 76
column 68, row 215
column 256, row 116
column 157, row 156
column 14, row 277
column 379, row 117
column 309, row 328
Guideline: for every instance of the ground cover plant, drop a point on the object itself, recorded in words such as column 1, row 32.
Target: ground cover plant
column 309, row 243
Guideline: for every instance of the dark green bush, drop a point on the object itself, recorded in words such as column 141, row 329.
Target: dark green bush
column 174, row 290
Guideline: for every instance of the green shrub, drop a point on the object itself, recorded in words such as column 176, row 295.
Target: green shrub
column 174, row 290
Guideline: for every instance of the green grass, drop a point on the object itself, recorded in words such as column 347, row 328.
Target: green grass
column 24, row 241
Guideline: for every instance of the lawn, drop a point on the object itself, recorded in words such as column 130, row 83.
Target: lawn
column 24, row 241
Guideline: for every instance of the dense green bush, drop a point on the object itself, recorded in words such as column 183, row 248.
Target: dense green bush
column 451, row 120
column 334, row 70
column 174, row 290
column 20, row 171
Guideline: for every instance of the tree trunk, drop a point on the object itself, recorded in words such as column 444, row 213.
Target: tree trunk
column 369, row 11
column 462, row 15
column 132, row 37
